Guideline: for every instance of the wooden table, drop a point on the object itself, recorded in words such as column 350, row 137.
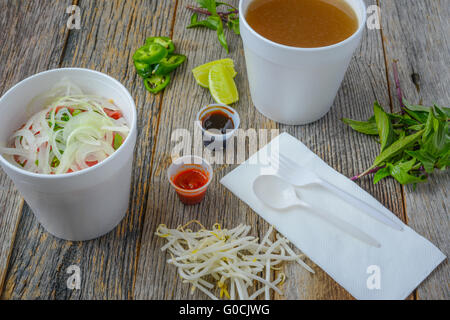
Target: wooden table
column 127, row 263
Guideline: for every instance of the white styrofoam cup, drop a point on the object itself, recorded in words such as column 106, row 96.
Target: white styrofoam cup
column 296, row 85
column 82, row 205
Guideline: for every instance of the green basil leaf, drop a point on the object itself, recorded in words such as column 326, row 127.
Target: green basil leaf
column 367, row 127
column 210, row 22
column 444, row 161
column 381, row 174
column 416, row 127
column 424, row 157
column 444, row 109
column 210, row 5
column 417, row 115
column 400, row 173
column 221, row 34
column 419, row 108
column 438, row 141
column 397, row 147
column 233, row 24
column 384, row 126
column 230, row 7
column 415, row 107
column 429, row 126
column 441, row 113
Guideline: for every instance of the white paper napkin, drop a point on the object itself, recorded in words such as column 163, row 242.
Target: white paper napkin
column 393, row 271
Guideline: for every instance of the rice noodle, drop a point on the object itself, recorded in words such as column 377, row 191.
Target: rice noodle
column 229, row 262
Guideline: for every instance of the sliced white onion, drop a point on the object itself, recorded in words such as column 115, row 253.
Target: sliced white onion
column 87, row 136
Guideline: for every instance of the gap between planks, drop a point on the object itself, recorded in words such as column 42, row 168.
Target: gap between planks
column 391, row 103
column 388, row 82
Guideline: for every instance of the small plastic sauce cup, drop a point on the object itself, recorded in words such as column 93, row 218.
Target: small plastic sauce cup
column 216, row 140
column 186, row 163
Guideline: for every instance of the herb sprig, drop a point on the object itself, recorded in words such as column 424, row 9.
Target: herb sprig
column 215, row 19
column 413, row 142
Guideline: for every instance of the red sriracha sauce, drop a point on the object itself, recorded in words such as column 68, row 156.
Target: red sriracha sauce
column 190, row 180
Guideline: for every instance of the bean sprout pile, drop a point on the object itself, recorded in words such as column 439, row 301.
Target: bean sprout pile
column 73, row 132
column 229, row 262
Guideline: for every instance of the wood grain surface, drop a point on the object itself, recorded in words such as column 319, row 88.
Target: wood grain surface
column 418, row 39
column 28, row 30
column 110, row 32
column 347, row 152
column 127, row 263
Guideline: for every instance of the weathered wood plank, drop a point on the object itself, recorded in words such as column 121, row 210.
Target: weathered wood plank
column 110, row 32
column 183, row 99
column 417, row 34
column 347, row 151
column 28, row 30
column 344, row 150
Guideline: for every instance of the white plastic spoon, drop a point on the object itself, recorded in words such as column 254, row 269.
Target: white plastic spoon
column 278, row 194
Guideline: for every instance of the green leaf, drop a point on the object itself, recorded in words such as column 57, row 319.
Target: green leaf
column 424, row 157
column 210, row 5
column 441, row 113
column 402, row 119
column 438, row 141
column 384, row 126
column 381, row 174
column 417, row 115
column 396, row 148
column 210, row 22
column 420, row 108
column 367, row 127
column 221, row 34
column 416, row 127
column 231, row 7
column 411, row 107
column 445, row 110
column 444, row 161
column 233, row 24
column 400, row 172
column 429, row 126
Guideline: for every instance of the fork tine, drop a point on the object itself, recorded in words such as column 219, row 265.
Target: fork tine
column 289, row 161
column 282, row 169
column 286, row 163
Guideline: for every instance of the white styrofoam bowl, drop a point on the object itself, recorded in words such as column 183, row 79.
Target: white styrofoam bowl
column 82, row 205
column 296, row 85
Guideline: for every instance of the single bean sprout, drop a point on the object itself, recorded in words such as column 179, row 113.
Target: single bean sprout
column 229, row 262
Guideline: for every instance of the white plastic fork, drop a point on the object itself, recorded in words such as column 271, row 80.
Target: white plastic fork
column 300, row 177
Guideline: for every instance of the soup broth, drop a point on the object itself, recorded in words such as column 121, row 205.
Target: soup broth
column 303, row 23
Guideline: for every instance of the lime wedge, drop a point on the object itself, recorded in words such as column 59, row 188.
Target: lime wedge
column 221, row 85
column 201, row 73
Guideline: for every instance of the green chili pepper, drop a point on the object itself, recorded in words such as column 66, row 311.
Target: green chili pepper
column 156, row 83
column 65, row 117
column 143, row 69
column 150, row 54
column 169, row 63
column 76, row 112
column 166, row 42
column 118, row 139
column 55, row 162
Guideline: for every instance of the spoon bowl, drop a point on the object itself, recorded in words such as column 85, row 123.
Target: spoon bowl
column 279, row 194
column 275, row 192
